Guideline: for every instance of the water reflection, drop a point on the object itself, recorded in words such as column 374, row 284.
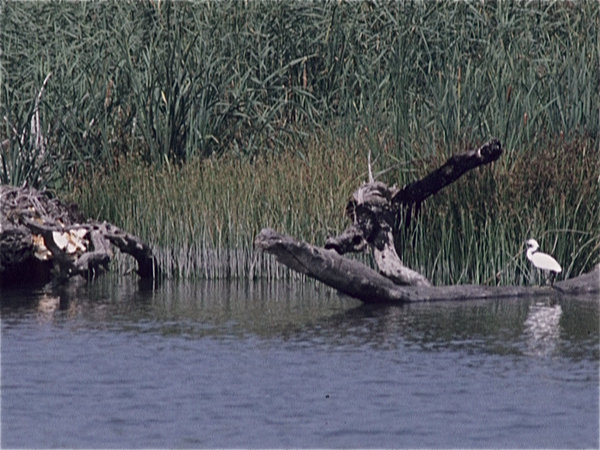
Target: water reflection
column 542, row 328
column 290, row 364
column 47, row 306
column 307, row 312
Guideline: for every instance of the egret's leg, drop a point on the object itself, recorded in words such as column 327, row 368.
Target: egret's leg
column 543, row 279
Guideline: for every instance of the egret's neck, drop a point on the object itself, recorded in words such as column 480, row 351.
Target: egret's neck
column 531, row 251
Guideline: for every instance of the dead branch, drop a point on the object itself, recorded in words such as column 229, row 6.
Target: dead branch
column 363, row 283
column 375, row 207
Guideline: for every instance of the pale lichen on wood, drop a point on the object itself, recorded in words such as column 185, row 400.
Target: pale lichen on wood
column 375, row 207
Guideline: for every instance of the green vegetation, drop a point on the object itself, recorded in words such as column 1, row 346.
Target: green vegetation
column 194, row 125
column 204, row 215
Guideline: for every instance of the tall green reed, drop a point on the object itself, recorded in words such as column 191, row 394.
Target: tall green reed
column 175, row 80
column 203, row 217
column 184, row 85
column 474, row 230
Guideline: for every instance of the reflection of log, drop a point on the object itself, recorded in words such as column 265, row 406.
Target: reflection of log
column 43, row 233
column 359, row 281
column 375, row 208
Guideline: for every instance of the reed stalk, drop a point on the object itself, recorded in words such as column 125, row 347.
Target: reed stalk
column 175, row 80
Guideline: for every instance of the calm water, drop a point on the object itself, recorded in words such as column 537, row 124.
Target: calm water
column 289, row 364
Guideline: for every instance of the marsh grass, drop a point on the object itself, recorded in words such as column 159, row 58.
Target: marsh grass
column 177, row 80
column 203, row 217
column 196, row 124
column 474, row 230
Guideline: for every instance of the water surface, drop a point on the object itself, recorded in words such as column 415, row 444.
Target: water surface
column 291, row 364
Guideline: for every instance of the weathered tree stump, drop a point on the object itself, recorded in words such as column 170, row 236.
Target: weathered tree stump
column 42, row 238
column 375, row 209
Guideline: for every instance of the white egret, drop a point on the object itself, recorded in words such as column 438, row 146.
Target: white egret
column 542, row 261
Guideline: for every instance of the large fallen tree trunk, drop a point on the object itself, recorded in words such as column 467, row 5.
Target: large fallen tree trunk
column 375, row 210
column 42, row 238
column 359, row 281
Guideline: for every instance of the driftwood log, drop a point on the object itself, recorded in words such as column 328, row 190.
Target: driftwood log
column 43, row 239
column 375, row 210
column 359, row 281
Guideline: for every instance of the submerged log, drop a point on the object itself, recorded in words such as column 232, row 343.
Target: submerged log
column 42, row 238
column 363, row 283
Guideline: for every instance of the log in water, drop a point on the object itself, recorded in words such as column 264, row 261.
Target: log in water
column 43, row 238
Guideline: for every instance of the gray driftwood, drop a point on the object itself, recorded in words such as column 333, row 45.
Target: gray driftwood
column 375, row 210
column 359, row 281
column 41, row 237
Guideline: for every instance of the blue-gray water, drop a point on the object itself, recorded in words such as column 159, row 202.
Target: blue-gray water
column 290, row 364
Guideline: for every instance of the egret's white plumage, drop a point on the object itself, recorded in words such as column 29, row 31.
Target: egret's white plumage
column 541, row 260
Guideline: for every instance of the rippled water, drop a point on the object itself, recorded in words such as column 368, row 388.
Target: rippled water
column 289, row 364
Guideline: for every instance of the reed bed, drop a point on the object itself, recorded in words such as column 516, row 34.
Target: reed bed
column 176, row 80
column 195, row 124
column 474, row 230
column 203, row 216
